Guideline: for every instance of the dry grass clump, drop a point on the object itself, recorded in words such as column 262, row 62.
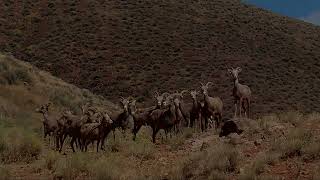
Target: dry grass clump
column 4, row 174
column 12, row 74
column 18, row 144
column 293, row 143
column 214, row 162
column 293, row 117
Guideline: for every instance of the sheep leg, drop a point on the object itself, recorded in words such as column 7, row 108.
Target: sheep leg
column 72, row 142
column 248, row 103
column 98, row 142
column 135, row 131
column 114, row 135
column 62, row 139
column 154, row 134
column 240, row 107
column 235, row 109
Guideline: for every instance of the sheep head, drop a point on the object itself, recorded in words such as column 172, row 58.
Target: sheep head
column 205, row 88
column 44, row 108
column 234, row 72
column 194, row 94
column 125, row 103
column 160, row 98
column 132, row 106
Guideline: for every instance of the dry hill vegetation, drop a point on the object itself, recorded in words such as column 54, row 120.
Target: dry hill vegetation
column 134, row 47
column 277, row 146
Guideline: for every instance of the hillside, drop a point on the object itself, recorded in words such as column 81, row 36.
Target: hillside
column 135, row 47
column 278, row 146
column 23, row 88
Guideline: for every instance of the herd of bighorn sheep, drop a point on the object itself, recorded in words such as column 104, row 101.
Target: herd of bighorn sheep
column 170, row 113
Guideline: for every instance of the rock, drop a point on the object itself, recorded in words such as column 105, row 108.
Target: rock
column 235, row 139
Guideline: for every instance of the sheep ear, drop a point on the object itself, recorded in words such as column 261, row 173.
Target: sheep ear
column 239, row 69
column 229, row 71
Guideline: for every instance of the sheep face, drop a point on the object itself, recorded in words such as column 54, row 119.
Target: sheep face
column 132, row 107
column 125, row 103
column 234, row 72
column 194, row 94
column 205, row 88
column 43, row 109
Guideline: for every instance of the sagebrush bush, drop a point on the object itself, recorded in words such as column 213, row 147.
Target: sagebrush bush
column 17, row 144
column 4, row 174
column 73, row 166
column 292, row 144
column 218, row 159
column 141, row 148
column 293, row 117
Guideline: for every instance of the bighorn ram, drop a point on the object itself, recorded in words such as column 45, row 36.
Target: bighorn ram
column 160, row 99
column 212, row 106
column 241, row 93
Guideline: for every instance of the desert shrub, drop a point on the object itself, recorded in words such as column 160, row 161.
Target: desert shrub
column 219, row 159
column 50, row 160
column 73, row 166
column 112, row 168
column 17, row 144
column 11, row 74
column 4, row 174
column 293, row 117
column 312, row 150
column 176, row 141
column 315, row 116
column 141, row 148
column 292, row 144
column 257, row 167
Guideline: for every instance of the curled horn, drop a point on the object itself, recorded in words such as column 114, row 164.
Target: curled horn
column 122, row 99
column 165, row 94
column 208, row 83
column 201, row 84
column 183, row 91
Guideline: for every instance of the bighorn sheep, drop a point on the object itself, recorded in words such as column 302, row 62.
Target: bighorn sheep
column 241, row 93
column 212, row 106
column 185, row 108
column 195, row 114
column 120, row 119
column 160, row 99
column 50, row 124
column 140, row 118
column 91, row 132
column 163, row 118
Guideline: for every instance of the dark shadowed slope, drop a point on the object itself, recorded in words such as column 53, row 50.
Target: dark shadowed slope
column 124, row 47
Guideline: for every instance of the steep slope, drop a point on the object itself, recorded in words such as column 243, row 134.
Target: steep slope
column 124, row 47
column 23, row 88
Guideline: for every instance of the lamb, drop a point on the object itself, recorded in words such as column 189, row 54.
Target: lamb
column 213, row 106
